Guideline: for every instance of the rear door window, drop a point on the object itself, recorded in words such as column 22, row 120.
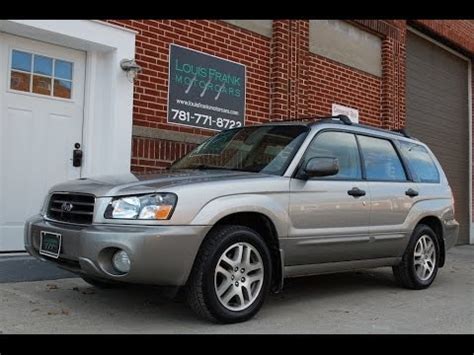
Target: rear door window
column 381, row 160
column 420, row 163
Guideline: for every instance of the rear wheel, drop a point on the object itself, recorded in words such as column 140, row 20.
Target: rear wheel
column 419, row 264
column 231, row 275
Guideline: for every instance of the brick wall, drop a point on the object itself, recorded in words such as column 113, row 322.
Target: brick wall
column 213, row 37
column 305, row 84
column 284, row 80
column 393, row 34
column 150, row 95
column 454, row 32
column 155, row 154
column 330, row 82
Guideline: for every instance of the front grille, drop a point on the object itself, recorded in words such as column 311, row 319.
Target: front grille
column 71, row 208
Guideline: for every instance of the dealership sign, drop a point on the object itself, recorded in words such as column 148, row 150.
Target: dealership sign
column 205, row 91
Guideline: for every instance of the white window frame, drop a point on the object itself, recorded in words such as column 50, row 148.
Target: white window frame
column 31, row 93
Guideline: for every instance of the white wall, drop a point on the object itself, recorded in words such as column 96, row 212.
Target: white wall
column 108, row 106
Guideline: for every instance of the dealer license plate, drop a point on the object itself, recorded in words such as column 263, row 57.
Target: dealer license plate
column 50, row 244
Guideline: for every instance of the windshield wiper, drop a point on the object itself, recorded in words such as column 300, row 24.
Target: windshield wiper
column 204, row 166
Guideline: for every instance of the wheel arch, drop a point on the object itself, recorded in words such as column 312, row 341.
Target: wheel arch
column 265, row 227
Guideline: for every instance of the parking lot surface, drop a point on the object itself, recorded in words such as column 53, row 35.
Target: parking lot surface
column 362, row 302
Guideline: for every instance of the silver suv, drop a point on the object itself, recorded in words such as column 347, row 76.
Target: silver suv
column 252, row 206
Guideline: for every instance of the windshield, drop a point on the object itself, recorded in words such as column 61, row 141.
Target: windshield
column 265, row 149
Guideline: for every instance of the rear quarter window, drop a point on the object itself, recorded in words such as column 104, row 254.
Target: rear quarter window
column 420, row 163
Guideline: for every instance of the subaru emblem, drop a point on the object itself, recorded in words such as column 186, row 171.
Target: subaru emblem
column 67, row 206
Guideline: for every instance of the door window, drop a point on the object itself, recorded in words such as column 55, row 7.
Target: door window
column 381, row 161
column 40, row 74
column 339, row 145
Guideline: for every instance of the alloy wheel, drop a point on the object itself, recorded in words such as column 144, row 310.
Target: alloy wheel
column 424, row 257
column 238, row 277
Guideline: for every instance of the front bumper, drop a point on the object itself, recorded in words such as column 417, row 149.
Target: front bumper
column 160, row 255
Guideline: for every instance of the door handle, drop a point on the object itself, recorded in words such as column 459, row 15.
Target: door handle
column 77, row 155
column 356, row 192
column 410, row 192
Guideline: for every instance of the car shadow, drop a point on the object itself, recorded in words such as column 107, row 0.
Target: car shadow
column 331, row 285
column 138, row 303
column 133, row 302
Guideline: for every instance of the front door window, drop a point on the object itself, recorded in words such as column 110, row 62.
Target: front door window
column 339, row 145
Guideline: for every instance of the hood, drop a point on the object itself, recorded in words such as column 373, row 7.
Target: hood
column 124, row 184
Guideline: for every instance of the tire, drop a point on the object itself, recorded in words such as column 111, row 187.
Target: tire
column 414, row 272
column 209, row 286
column 98, row 283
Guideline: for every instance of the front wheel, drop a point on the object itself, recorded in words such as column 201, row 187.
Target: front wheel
column 419, row 264
column 231, row 276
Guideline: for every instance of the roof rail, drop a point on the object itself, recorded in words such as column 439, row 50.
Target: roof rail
column 343, row 118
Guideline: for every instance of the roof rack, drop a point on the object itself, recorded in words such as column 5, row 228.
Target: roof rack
column 343, row 118
column 402, row 131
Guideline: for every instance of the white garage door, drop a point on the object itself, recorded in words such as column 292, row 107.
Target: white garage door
column 41, row 117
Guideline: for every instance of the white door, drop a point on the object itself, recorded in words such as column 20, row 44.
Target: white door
column 41, row 116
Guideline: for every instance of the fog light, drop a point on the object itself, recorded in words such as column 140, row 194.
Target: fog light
column 121, row 261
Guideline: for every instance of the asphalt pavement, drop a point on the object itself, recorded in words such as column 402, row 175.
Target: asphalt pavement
column 23, row 268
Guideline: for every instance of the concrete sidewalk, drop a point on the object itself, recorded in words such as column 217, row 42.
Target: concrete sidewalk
column 356, row 302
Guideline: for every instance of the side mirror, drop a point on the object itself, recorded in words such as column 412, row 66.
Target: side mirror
column 321, row 166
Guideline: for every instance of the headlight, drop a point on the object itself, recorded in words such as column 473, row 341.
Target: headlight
column 153, row 206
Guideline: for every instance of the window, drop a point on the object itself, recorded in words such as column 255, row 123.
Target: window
column 41, row 75
column 339, row 145
column 419, row 161
column 381, row 161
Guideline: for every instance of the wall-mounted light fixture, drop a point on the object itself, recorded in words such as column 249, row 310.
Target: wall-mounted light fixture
column 131, row 67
